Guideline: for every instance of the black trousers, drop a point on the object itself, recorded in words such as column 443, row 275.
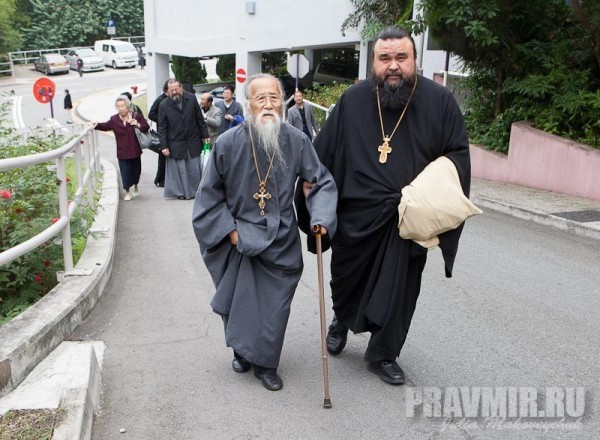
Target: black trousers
column 160, row 171
column 130, row 172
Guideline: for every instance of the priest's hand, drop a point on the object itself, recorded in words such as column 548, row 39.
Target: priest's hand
column 306, row 187
column 166, row 152
column 318, row 229
column 233, row 237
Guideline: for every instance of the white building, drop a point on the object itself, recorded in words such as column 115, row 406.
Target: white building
column 247, row 28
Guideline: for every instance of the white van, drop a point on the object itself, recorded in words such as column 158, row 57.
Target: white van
column 117, row 53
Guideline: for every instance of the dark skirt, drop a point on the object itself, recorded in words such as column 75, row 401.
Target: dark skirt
column 130, row 171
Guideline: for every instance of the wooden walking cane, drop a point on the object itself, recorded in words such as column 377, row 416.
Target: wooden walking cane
column 326, row 399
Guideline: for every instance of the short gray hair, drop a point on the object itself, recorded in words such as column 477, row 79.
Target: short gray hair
column 123, row 98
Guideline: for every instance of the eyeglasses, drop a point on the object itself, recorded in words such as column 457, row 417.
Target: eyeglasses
column 262, row 99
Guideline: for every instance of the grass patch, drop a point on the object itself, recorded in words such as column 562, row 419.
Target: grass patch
column 142, row 102
column 30, row 424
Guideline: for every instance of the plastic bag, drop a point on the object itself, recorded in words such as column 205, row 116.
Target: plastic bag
column 205, row 155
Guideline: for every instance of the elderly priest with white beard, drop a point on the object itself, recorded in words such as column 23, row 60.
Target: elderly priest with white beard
column 246, row 226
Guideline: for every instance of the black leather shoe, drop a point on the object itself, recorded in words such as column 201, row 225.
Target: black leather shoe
column 269, row 378
column 240, row 365
column 336, row 337
column 388, row 371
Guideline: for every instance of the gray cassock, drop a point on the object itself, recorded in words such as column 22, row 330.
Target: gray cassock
column 255, row 281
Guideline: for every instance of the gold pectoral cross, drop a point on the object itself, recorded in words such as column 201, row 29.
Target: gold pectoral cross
column 384, row 150
column 261, row 196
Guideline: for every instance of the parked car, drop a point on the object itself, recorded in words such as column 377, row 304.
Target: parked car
column 117, row 53
column 91, row 60
column 217, row 92
column 328, row 72
column 325, row 73
column 51, row 63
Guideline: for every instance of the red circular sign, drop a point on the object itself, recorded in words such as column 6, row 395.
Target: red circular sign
column 240, row 75
column 44, row 90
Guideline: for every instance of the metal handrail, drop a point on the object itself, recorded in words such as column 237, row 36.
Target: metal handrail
column 87, row 158
column 320, row 107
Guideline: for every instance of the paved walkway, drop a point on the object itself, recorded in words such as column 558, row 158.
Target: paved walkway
column 155, row 320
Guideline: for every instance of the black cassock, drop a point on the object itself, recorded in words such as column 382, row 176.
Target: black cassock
column 376, row 275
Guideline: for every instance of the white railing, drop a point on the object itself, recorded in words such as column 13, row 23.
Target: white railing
column 84, row 147
column 6, row 68
column 312, row 104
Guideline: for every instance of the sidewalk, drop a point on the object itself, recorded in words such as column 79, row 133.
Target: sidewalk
column 152, row 242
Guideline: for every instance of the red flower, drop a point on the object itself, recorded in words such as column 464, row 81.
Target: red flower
column 55, row 219
column 38, row 278
column 5, row 194
column 68, row 179
column 47, row 263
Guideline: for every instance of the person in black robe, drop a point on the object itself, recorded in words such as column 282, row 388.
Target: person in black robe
column 382, row 133
column 68, row 103
column 159, row 180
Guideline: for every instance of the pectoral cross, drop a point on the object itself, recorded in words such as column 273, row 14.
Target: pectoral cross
column 384, row 150
column 261, row 196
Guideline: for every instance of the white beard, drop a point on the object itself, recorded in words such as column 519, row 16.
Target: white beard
column 268, row 136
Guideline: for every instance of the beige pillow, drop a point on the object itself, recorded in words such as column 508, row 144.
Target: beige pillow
column 433, row 203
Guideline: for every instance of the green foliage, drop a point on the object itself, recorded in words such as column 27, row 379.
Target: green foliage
column 10, row 38
column 325, row 96
column 536, row 60
column 375, row 15
column 63, row 23
column 273, row 62
column 28, row 205
column 188, row 70
column 226, row 67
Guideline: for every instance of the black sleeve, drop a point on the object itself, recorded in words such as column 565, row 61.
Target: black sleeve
column 153, row 113
column 200, row 120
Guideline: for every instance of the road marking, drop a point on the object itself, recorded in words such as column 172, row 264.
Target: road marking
column 17, row 112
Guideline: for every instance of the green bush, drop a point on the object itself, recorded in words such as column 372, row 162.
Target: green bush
column 226, row 67
column 189, row 70
column 28, row 205
column 325, row 96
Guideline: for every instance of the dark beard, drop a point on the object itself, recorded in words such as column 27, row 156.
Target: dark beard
column 176, row 98
column 394, row 96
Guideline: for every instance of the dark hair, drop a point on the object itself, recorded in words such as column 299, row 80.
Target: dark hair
column 127, row 94
column 166, row 86
column 209, row 98
column 229, row 87
column 395, row 33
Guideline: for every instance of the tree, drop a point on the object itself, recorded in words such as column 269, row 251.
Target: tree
column 189, row 70
column 62, row 23
column 10, row 39
column 225, row 67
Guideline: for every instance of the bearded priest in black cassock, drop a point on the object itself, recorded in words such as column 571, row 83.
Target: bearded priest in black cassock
column 382, row 133
column 246, row 225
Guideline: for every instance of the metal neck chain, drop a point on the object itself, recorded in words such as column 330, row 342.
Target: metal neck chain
column 389, row 138
column 262, row 195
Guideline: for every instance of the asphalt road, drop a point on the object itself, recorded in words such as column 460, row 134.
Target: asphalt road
column 26, row 113
column 521, row 311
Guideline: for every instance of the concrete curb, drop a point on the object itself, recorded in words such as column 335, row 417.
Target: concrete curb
column 30, row 337
column 80, row 404
column 542, row 218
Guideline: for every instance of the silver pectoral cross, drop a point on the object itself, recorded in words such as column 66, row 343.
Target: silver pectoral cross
column 261, row 196
column 384, row 150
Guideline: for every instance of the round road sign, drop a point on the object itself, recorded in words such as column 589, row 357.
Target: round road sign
column 44, row 90
column 240, row 75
